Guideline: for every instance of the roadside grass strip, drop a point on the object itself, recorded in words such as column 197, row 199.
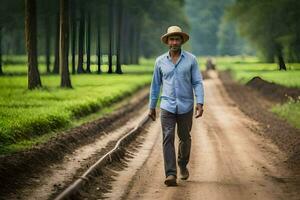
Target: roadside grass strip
column 26, row 114
column 289, row 111
column 243, row 69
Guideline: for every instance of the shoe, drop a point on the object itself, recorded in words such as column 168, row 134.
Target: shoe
column 184, row 172
column 171, row 180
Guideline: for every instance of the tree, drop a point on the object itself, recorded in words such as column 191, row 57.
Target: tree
column 137, row 45
column 123, row 30
column 99, row 71
column 47, row 12
column 34, row 80
column 151, row 19
column 1, row 72
column 56, row 50
column 229, row 41
column 272, row 26
column 110, row 35
column 119, row 39
column 205, row 17
column 47, row 42
column 125, row 42
column 64, row 44
column 74, row 31
column 81, row 40
column 88, row 44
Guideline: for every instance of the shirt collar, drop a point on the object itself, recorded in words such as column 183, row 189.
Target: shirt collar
column 182, row 54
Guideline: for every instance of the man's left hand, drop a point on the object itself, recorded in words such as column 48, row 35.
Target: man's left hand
column 199, row 110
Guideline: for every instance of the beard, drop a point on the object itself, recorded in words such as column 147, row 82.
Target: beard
column 175, row 48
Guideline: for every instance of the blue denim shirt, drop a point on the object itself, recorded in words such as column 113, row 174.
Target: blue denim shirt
column 179, row 83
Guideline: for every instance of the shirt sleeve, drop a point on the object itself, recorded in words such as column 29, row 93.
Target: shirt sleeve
column 197, row 82
column 155, row 86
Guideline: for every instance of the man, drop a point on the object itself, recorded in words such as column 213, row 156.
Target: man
column 210, row 65
column 177, row 72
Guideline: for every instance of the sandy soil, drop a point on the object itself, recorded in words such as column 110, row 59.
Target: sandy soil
column 228, row 160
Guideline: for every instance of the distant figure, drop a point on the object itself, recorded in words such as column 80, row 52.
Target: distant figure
column 177, row 73
column 210, row 65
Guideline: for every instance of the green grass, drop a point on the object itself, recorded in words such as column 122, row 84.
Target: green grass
column 26, row 116
column 244, row 69
column 285, row 78
column 289, row 111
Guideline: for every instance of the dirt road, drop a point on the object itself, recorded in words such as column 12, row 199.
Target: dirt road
column 228, row 160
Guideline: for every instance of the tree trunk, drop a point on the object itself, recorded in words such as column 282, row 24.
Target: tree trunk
column 110, row 35
column 81, row 41
column 281, row 62
column 99, row 45
column 119, row 33
column 74, row 31
column 131, row 42
column 125, row 43
column 137, row 46
column 1, row 71
column 47, row 42
column 34, row 80
column 88, row 44
column 64, row 44
column 56, row 50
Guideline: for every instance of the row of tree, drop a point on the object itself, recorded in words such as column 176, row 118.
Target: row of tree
column 272, row 27
column 78, row 29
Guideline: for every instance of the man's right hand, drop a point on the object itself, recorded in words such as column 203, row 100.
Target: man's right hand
column 152, row 113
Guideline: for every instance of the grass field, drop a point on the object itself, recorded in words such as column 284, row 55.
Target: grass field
column 25, row 116
column 30, row 117
column 245, row 68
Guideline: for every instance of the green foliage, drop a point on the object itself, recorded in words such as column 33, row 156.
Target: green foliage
column 229, row 42
column 204, row 17
column 26, row 114
column 149, row 18
column 158, row 16
column 210, row 31
column 272, row 26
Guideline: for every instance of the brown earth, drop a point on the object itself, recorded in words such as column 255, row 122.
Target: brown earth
column 19, row 170
column 272, row 91
column 255, row 101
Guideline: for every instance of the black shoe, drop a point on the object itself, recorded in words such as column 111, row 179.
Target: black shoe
column 171, row 180
column 184, row 172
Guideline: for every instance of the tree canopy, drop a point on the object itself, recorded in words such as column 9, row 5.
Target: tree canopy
column 271, row 26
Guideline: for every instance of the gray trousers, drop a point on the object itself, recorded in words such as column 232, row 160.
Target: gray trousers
column 184, row 126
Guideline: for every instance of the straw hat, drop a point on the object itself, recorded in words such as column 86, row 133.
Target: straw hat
column 174, row 30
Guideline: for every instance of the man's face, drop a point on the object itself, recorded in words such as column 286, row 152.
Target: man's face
column 174, row 42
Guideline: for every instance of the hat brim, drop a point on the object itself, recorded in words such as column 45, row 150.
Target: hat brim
column 184, row 35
